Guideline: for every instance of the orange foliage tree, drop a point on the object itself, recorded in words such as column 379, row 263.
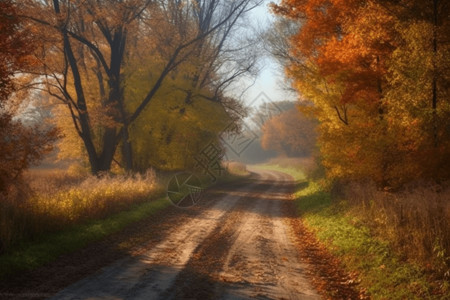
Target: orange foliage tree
column 20, row 145
column 347, row 62
column 289, row 134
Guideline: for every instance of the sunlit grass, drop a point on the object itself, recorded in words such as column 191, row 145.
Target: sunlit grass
column 297, row 172
column 415, row 220
column 58, row 201
column 94, row 198
column 65, row 212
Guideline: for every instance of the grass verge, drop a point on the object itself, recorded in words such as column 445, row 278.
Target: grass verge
column 383, row 275
column 296, row 173
column 30, row 255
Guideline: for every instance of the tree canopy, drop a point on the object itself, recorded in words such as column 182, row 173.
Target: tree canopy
column 92, row 54
column 376, row 73
column 20, row 145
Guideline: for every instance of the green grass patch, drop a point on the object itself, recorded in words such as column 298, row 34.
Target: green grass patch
column 296, row 173
column 382, row 274
column 30, row 255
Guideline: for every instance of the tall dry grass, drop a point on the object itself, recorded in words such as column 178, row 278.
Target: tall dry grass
column 54, row 200
column 416, row 221
column 236, row 168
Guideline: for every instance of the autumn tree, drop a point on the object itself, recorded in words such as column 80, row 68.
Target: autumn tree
column 97, row 39
column 339, row 66
column 290, row 134
column 420, row 86
column 195, row 90
column 362, row 63
column 266, row 111
column 20, row 145
column 177, row 124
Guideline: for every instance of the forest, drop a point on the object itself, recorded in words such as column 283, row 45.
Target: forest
column 104, row 103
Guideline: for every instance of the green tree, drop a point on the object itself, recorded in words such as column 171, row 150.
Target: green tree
column 101, row 37
column 172, row 130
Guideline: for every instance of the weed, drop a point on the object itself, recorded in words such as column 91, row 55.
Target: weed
column 416, row 221
column 59, row 201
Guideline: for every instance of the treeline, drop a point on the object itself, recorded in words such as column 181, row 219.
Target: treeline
column 131, row 84
column 377, row 73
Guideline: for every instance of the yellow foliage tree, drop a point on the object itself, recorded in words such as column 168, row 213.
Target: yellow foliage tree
column 87, row 45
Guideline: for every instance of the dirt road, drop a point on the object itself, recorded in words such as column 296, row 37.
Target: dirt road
column 239, row 246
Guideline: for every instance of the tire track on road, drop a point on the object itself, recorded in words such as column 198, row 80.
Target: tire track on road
column 250, row 254
column 200, row 277
column 264, row 263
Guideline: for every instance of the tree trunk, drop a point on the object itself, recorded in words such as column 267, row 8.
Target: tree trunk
column 434, row 82
column 381, row 112
column 109, row 148
column 83, row 116
column 115, row 99
column 127, row 151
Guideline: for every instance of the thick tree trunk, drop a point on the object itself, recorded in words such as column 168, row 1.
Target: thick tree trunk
column 115, row 99
column 83, row 116
column 109, row 148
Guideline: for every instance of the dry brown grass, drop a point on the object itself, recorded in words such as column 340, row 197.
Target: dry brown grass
column 416, row 220
column 236, row 168
column 56, row 200
column 47, row 181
